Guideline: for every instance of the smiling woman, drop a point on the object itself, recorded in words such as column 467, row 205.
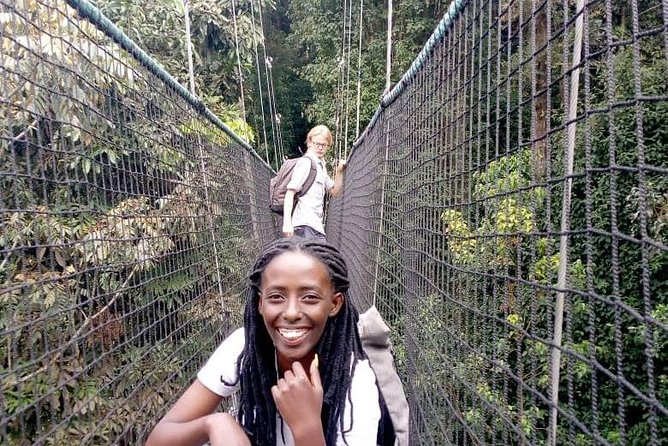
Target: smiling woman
column 297, row 298
column 298, row 361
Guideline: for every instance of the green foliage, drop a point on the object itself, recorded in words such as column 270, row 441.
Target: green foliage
column 110, row 275
column 502, row 236
column 159, row 28
column 619, row 129
column 309, row 63
column 117, row 260
column 502, row 244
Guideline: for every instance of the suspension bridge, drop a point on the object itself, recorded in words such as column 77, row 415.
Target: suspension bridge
column 505, row 210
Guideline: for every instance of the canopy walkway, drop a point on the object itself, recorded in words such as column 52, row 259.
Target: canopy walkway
column 505, row 210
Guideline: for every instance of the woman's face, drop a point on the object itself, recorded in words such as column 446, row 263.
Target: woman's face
column 297, row 298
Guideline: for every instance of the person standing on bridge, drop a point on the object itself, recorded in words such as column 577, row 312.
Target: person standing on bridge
column 298, row 362
column 307, row 219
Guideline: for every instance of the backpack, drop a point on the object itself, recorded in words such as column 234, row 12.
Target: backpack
column 374, row 333
column 278, row 186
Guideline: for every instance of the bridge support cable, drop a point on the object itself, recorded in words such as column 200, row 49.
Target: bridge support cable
column 338, row 106
column 189, row 47
column 388, row 50
column 359, row 72
column 349, row 33
column 342, row 90
column 205, row 180
column 240, row 74
column 259, row 81
column 277, row 115
column 562, row 279
column 242, row 103
column 275, row 130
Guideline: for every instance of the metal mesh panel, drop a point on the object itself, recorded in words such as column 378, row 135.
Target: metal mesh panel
column 127, row 222
column 506, row 213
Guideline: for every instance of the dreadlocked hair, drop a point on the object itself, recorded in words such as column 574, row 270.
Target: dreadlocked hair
column 339, row 349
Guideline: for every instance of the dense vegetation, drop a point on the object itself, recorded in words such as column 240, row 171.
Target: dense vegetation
column 481, row 296
column 304, row 40
column 122, row 250
column 121, row 241
column 109, row 275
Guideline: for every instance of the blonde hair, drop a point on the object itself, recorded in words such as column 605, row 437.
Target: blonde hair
column 320, row 130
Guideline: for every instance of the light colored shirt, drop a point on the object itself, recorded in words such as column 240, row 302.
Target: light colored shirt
column 310, row 206
column 363, row 403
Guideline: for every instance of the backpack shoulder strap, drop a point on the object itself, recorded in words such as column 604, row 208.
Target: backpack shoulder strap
column 375, row 337
column 310, row 179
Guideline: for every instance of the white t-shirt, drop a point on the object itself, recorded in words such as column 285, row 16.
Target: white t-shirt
column 222, row 366
column 309, row 210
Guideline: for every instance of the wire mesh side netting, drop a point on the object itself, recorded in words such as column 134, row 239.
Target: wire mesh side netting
column 507, row 212
column 127, row 224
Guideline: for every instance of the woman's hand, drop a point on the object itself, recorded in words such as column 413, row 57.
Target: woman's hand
column 224, row 430
column 298, row 399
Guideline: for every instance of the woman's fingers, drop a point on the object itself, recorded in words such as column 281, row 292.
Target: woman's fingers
column 298, row 396
column 297, row 378
column 298, row 371
column 315, row 374
column 276, row 393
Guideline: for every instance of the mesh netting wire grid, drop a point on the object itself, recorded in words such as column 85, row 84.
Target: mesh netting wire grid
column 128, row 218
column 505, row 210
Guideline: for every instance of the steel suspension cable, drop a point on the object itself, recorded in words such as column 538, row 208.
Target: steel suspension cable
column 189, row 48
column 272, row 110
column 277, row 116
column 340, row 84
column 272, row 95
column 259, row 81
column 359, row 73
column 347, row 88
column 209, row 219
column 388, row 52
column 267, row 63
column 555, row 363
column 242, row 102
column 337, row 112
column 388, row 66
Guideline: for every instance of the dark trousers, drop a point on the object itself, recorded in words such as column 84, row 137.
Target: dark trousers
column 309, row 233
